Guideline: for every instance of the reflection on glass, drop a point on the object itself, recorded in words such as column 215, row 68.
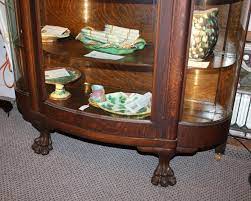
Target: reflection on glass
column 217, row 39
column 120, row 63
column 14, row 25
column 86, row 10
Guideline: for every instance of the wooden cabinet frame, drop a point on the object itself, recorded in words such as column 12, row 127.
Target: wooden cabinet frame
column 164, row 133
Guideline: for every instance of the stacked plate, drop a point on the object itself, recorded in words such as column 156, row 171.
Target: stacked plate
column 52, row 33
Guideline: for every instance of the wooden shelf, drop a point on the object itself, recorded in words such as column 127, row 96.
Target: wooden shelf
column 194, row 112
column 71, row 48
column 202, row 112
column 218, row 61
column 80, row 97
column 215, row 2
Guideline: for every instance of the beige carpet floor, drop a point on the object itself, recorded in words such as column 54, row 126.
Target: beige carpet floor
column 79, row 170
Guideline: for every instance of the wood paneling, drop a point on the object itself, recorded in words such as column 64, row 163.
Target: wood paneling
column 201, row 85
column 96, row 13
column 122, row 77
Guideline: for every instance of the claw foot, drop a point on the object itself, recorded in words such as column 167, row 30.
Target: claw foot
column 163, row 174
column 42, row 144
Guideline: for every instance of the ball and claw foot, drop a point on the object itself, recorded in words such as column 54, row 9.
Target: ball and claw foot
column 220, row 151
column 164, row 176
column 42, row 144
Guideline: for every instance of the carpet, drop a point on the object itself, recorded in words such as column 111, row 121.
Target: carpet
column 80, row 170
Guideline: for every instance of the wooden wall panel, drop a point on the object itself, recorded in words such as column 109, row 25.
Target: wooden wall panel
column 201, row 85
column 106, row 74
column 96, row 13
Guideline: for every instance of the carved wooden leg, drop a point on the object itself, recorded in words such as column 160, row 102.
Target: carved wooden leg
column 43, row 144
column 219, row 151
column 163, row 174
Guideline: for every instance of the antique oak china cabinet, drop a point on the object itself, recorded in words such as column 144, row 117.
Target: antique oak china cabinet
column 169, row 70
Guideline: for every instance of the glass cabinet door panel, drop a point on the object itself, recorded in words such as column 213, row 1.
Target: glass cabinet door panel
column 111, row 43
column 17, row 47
column 218, row 31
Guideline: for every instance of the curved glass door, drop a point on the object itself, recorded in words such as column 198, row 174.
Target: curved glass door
column 110, row 43
column 215, row 54
column 16, row 42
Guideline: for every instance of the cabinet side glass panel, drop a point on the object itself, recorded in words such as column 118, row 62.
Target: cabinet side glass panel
column 218, row 31
column 111, row 44
column 16, row 43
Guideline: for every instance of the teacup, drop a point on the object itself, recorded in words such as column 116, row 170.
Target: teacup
column 98, row 93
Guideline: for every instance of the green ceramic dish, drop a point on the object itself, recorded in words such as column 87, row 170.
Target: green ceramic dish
column 60, row 93
column 111, row 48
column 74, row 75
column 115, row 104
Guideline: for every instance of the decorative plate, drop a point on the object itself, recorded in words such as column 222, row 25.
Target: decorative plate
column 52, row 38
column 47, row 39
column 118, row 42
column 113, row 49
column 93, row 103
column 60, row 93
column 74, row 75
column 115, row 104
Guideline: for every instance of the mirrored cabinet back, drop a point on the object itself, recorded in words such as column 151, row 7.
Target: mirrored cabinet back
column 157, row 75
